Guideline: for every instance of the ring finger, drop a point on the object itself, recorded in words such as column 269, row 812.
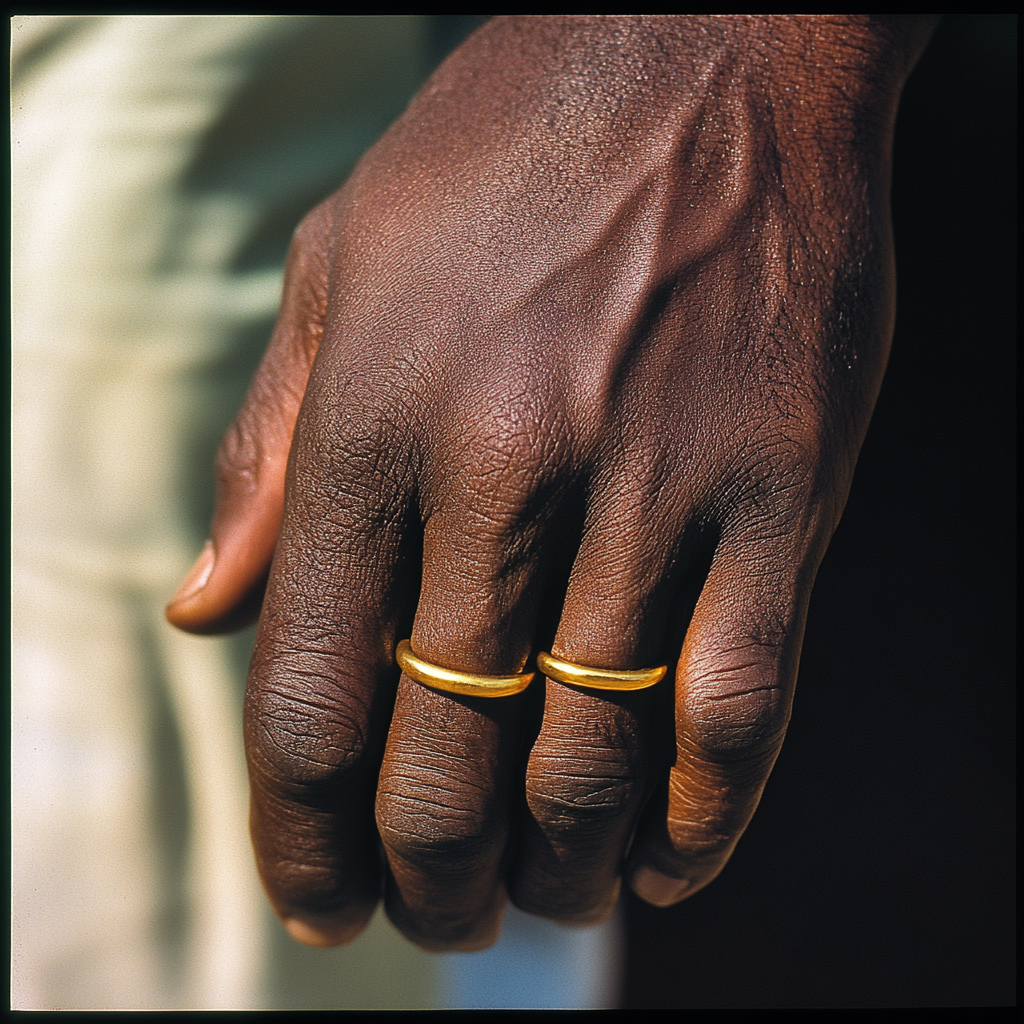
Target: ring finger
column 591, row 767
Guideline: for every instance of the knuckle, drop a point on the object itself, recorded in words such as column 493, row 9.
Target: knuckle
column 509, row 456
column 773, row 481
column 360, row 463
column 238, row 456
column 303, row 729
column 737, row 705
column 435, row 828
column 781, row 490
column 573, row 800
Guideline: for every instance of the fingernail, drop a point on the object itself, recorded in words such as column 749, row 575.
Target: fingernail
column 659, row 889
column 198, row 576
column 321, row 933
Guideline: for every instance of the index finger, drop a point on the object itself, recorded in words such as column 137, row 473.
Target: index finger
column 322, row 681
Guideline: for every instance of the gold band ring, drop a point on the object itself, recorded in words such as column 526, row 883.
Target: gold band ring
column 468, row 684
column 598, row 678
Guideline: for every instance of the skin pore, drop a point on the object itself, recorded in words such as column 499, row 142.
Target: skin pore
column 580, row 359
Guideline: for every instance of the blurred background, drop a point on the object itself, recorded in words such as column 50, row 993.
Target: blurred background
column 160, row 166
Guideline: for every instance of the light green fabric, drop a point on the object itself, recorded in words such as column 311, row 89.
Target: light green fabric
column 159, row 166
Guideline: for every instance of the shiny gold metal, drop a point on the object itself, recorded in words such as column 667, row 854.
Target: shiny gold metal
column 598, row 678
column 468, row 684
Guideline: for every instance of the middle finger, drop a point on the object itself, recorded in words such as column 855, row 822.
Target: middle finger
column 452, row 761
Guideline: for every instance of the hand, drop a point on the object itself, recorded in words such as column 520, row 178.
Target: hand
column 580, row 359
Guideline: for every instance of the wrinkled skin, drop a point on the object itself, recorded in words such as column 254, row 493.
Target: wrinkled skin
column 579, row 359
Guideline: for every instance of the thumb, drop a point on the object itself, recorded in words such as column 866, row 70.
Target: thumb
column 224, row 589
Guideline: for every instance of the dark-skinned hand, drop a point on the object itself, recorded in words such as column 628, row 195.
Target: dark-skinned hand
column 580, row 359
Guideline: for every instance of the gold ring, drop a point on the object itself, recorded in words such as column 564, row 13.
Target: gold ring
column 598, row 678
column 468, row 684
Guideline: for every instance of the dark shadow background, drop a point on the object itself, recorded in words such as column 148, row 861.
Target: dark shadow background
column 880, row 868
